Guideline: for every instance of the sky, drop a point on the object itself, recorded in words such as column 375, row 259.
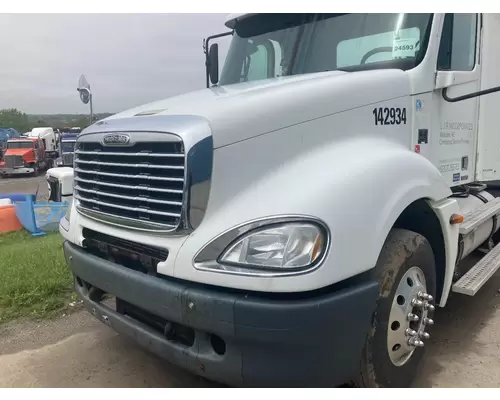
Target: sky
column 129, row 59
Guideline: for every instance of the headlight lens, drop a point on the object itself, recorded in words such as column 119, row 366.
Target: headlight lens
column 288, row 246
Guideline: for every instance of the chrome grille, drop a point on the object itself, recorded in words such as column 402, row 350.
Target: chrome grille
column 12, row 161
column 67, row 158
column 142, row 183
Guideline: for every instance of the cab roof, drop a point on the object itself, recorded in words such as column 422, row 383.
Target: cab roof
column 233, row 18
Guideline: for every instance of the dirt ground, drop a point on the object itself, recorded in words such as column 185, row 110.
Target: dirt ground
column 77, row 351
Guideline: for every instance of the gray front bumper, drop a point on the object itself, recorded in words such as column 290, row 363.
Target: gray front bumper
column 270, row 340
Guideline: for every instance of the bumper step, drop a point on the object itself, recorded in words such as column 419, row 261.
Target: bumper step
column 476, row 217
column 478, row 275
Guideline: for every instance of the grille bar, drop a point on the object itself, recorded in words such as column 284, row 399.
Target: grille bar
column 127, row 187
column 126, row 165
column 139, row 154
column 134, row 209
column 127, row 176
column 132, row 198
column 12, row 161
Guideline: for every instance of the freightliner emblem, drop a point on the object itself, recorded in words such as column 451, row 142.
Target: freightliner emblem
column 116, row 139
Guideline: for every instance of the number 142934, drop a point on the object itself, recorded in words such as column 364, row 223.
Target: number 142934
column 389, row 116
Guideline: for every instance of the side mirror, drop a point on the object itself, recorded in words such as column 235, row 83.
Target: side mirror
column 213, row 63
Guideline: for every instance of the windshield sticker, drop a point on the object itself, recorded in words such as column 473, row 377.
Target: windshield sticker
column 405, row 43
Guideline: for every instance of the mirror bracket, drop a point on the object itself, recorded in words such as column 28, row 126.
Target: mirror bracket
column 206, row 48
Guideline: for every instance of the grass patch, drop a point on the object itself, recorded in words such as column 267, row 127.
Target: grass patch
column 35, row 280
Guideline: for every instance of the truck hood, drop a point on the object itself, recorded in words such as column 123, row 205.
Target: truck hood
column 240, row 111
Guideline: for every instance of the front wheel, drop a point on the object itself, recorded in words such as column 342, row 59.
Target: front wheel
column 395, row 344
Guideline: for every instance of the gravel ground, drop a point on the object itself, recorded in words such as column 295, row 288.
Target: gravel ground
column 77, row 351
column 25, row 184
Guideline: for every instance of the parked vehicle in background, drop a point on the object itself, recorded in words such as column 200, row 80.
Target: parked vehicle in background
column 24, row 156
column 67, row 146
column 5, row 135
column 50, row 141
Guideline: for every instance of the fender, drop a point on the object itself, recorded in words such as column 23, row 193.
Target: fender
column 357, row 186
column 444, row 210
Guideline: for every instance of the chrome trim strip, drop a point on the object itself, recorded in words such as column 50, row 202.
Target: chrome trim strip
column 206, row 258
column 112, row 164
column 108, row 153
column 121, row 196
column 144, row 177
column 135, row 224
column 134, row 209
column 130, row 187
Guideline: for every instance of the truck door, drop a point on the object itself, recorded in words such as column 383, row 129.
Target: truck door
column 39, row 151
column 455, row 124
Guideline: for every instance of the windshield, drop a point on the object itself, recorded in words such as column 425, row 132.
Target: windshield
column 20, row 145
column 271, row 45
column 68, row 147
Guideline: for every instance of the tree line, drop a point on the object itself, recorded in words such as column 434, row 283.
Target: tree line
column 22, row 122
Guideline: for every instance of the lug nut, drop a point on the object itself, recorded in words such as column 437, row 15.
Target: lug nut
column 428, row 321
column 413, row 341
column 429, row 307
column 413, row 317
column 417, row 303
column 410, row 332
column 425, row 296
column 425, row 335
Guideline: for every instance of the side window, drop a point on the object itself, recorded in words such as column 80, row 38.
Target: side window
column 256, row 65
column 457, row 50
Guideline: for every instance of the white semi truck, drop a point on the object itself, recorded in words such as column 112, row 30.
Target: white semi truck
column 50, row 139
column 297, row 222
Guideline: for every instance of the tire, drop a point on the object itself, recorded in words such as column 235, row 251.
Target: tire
column 405, row 255
column 35, row 171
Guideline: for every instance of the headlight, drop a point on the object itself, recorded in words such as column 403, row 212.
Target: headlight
column 290, row 246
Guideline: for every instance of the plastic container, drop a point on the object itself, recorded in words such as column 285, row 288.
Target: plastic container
column 8, row 219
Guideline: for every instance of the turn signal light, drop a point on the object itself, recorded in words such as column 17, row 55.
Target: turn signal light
column 456, row 219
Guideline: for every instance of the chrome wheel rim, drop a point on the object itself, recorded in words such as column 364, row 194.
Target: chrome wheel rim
column 408, row 317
